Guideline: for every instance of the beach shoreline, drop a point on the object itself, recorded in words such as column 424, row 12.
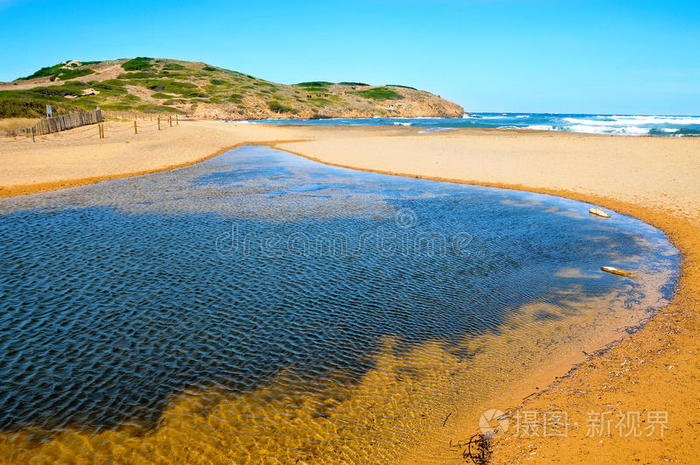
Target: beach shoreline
column 634, row 181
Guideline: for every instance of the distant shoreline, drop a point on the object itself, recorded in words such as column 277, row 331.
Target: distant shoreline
column 620, row 125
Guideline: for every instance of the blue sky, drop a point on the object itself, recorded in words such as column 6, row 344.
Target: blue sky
column 488, row 55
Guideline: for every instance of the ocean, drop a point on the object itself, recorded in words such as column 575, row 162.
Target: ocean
column 622, row 125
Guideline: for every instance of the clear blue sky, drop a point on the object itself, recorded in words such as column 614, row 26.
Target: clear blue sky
column 488, row 55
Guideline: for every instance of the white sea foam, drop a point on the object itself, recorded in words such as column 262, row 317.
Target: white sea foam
column 634, row 120
column 540, row 127
column 600, row 129
column 682, row 120
column 401, row 123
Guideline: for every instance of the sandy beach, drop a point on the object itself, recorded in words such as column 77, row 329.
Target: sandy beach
column 653, row 179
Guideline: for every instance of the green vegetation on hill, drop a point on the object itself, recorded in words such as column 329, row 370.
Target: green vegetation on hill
column 45, row 72
column 59, row 71
column 379, row 93
column 280, row 108
column 163, row 85
column 74, row 73
column 172, row 66
column 73, row 96
column 137, row 64
column 31, row 108
column 314, row 84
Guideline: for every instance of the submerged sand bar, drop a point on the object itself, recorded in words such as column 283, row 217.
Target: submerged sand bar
column 654, row 179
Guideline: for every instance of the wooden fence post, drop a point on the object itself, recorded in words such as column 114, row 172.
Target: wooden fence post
column 177, row 121
column 32, row 128
column 136, row 131
column 170, row 120
column 159, row 122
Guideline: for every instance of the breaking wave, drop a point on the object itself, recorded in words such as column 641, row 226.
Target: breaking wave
column 619, row 125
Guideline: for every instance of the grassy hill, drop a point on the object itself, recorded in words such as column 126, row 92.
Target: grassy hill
column 203, row 91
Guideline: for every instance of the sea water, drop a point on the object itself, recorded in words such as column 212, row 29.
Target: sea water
column 626, row 125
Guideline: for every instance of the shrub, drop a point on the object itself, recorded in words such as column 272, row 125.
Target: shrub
column 313, row 84
column 379, row 93
column 136, row 75
column 44, row 72
column 130, row 98
column 184, row 89
column 20, row 105
column 321, row 102
column 58, row 72
column 173, row 66
column 162, row 95
column 277, row 107
column 137, row 64
column 113, row 86
column 209, row 68
column 67, row 74
column 172, row 75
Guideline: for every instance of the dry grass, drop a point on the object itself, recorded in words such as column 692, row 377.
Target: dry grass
column 9, row 124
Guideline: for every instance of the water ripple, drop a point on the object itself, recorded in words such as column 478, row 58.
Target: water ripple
column 259, row 306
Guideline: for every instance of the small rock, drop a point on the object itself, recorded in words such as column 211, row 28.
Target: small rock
column 618, row 271
column 599, row 212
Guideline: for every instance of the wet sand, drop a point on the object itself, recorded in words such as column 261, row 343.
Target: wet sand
column 654, row 179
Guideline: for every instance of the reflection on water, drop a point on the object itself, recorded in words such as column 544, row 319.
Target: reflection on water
column 259, row 307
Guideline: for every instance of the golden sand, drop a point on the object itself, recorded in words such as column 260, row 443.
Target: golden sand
column 429, row 395
column 654, row 179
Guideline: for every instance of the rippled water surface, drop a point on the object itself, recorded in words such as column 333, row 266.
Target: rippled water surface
column 259, row 307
